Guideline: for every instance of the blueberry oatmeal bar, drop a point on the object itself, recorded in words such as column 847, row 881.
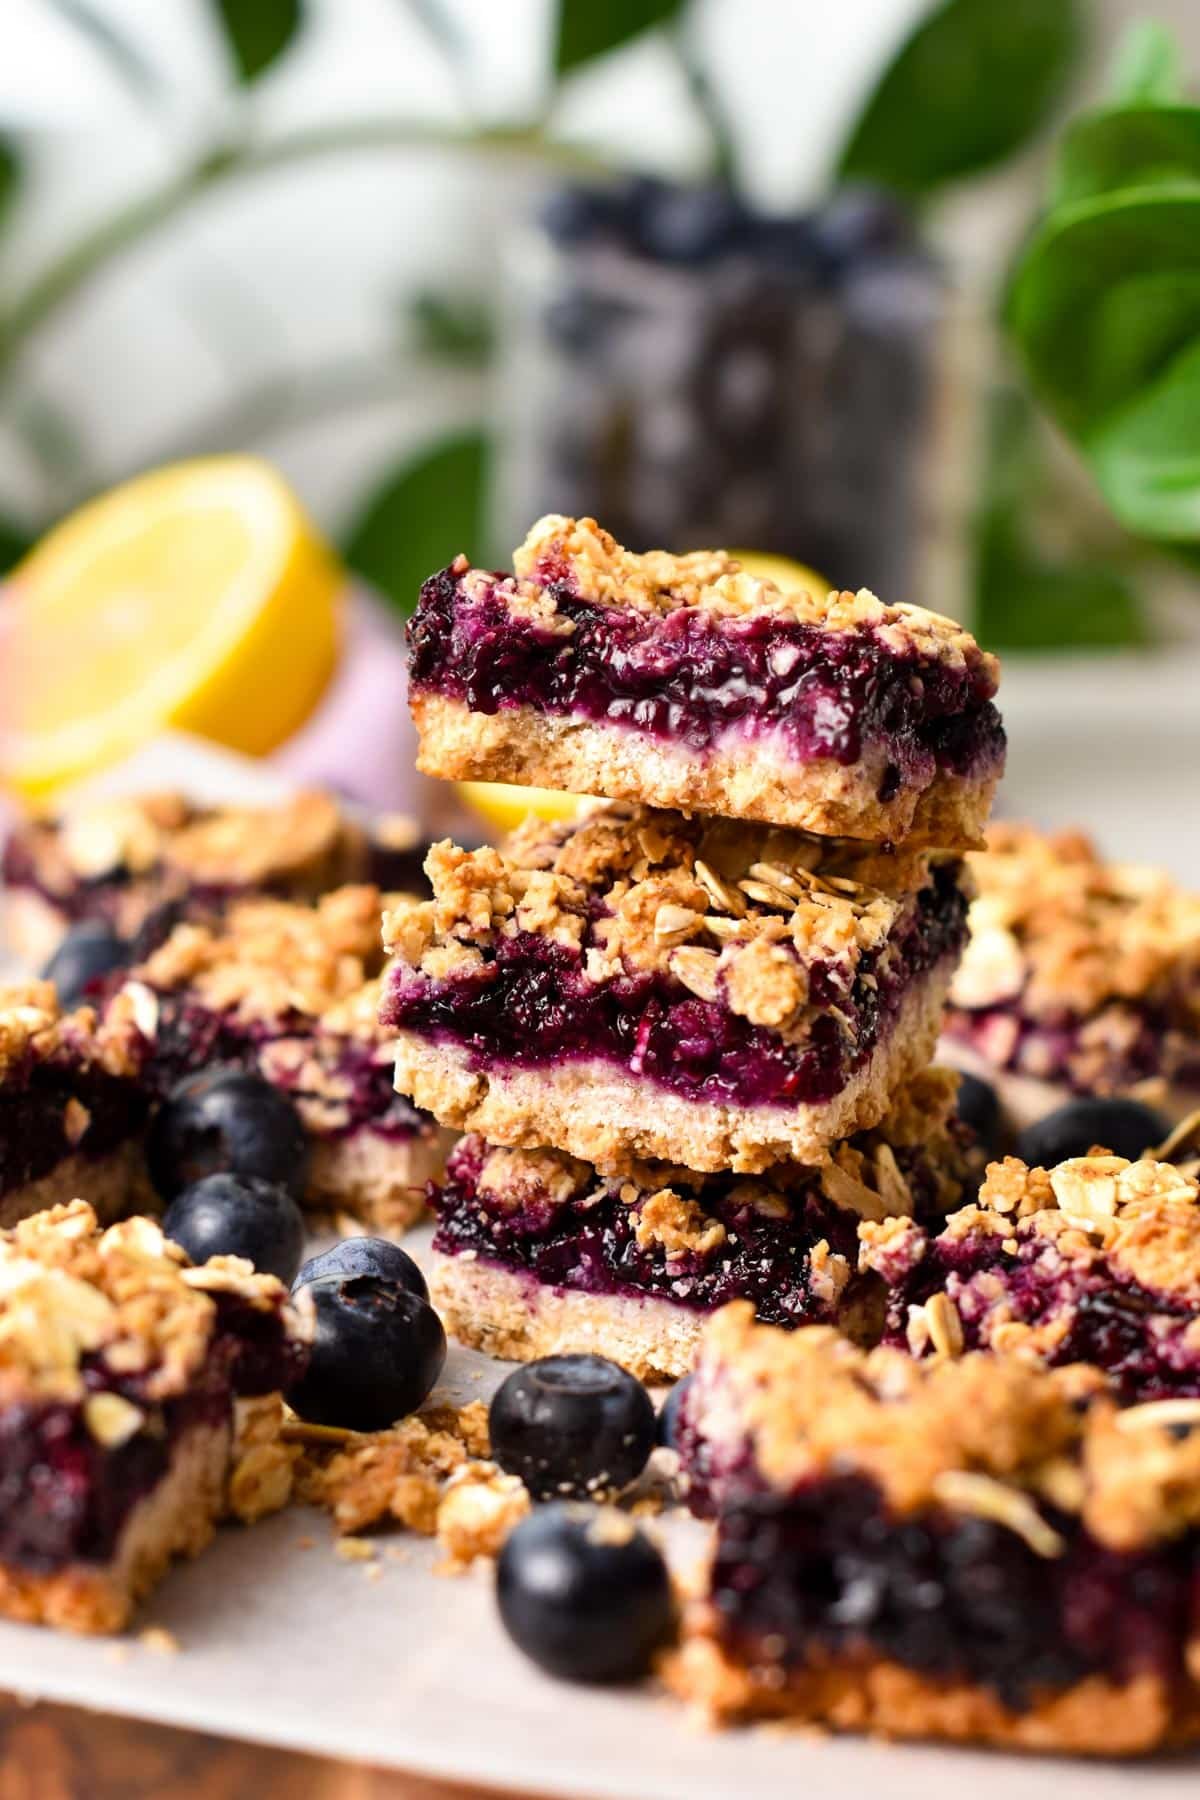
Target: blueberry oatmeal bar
column 538, row 1254
column 1096, row 1261
column 121, row 861
column 682, row 681
column 293, row 991
column 1079, row 973
column 966, row 1549
column 72, row 1107
column 138, row 1406
column 637, row 984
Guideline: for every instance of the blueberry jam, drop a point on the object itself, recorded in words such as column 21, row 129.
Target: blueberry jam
column 532, row 1005
column 67, row 1497
column 589, row 1242
column 683, row 678
column 1144, row 1041
column 192, row 1037
column 1142, row 1340
column 829, row 1571
column 34, row 1121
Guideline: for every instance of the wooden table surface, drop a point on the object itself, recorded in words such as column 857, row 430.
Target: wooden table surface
column 64, row 1753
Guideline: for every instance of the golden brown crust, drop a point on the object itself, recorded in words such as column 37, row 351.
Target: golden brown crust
column 597, row 568
column 113, row 1184
column 598, row 1113
column 517, row 744
column 70, row 1291
column 981, row 1433
column 35, row 1029
column 376, row 1180
column 1094, row 1717
column 270, row 959
column 304, row 842
column 517, row 1318
column 177, row 1518
column 1062, row 930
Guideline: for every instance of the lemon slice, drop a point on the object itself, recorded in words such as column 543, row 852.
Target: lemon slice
column 785, row 573
column 198, row 597
column 504, row 807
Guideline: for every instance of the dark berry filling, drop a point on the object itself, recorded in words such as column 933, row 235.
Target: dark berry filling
column 829, row 1571
column 66, row 1497
column 192, row 1037
column 1143, row 1041
column 532, row 1005
column 589, row 1243
column 35, row 1133
column 1142, row 1340
column 687, row 679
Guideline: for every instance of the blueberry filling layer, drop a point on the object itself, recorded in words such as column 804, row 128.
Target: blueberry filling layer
column 687, row 679
column 590, row 1243
column 1139, row 1042
column 35, row 1133
column 66, row 1497
column 191, row 1037
column 531, row 1005
column 1145, row 1342
column 829, row 1572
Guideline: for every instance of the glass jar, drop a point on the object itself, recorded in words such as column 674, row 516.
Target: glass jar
column 693, row 374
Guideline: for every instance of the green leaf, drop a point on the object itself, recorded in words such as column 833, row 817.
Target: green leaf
column 591, row 28
column 258, row 32
column 14, row 542
column 1148, row 70
column 419, row 519
column 10, row 177
column 975, row 81
column 1104, row 305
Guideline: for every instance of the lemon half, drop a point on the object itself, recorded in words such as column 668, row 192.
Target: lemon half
column 199, row 597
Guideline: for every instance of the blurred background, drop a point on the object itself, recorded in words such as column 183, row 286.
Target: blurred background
column 819, row 281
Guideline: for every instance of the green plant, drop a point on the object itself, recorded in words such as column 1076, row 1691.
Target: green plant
column 1104, row 307
column 972, row 84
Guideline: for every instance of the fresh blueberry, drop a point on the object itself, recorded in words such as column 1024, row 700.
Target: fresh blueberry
column 978, row 1107
column 225, row 1119
column 1126, row 1127
column 668, row 1413
column 691, row 224
column 862, row 222
column 377, row 1350
column 584, row 1594
column 573, row 213
column 572, row 1425
column 87, row 953
column 365, row 1256
column 238, row 1215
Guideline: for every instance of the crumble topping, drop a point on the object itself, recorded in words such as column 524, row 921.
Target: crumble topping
column 429, row 1474
column 229, row 846
column 33, row 1028
column 1056, row 926
column 581, row 553
column 1139, row 1221
column 728, row 909
column 979, row 1433
column 268, row 959
column 69, row 1290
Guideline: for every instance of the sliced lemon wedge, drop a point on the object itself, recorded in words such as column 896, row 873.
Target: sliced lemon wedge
column 199, row 596
column 786, row 574
column 504, row 807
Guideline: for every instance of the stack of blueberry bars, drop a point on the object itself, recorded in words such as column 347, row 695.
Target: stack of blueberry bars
column 689, row 1047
